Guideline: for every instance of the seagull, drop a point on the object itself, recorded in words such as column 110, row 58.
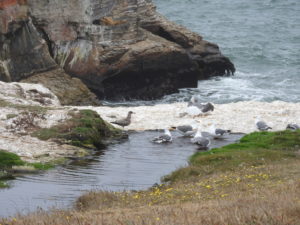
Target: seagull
column 185, row 130
column 124, row 122
column 194, row 101
column 196, row 108
column 217, row 132
column 261, row 125
column 293, row 126
column 164, row 138
column 201, row 141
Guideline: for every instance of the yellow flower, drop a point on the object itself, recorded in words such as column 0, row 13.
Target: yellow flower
column 169, row 189
column 157, row 218
column 208, row 186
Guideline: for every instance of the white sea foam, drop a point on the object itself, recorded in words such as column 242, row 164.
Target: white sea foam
column 238, row 117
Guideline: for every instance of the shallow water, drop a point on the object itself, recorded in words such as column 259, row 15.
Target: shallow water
column 132, row 165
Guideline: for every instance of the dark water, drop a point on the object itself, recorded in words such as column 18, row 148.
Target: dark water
column 132, row 165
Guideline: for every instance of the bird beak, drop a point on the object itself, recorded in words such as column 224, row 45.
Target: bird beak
column 172, row 128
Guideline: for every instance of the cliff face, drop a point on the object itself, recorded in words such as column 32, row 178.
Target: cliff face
column 118, row 48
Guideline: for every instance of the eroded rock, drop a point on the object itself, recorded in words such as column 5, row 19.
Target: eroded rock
column 118, row 48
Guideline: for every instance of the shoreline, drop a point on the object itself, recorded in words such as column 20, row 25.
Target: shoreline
column 238, row 117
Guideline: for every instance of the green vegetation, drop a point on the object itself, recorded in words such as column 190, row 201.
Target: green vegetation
column 7, row 160
column 10, row 116
column 3, row 184
column 254, row 149
column 10, row 161
column 85, row 129
column 30, row 108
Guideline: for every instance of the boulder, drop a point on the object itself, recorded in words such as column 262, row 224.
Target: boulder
column 70, row 91
column 121, row 49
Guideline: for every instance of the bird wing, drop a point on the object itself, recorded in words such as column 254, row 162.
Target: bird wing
column 185, row 128
column 201, row 141
column 261, row 125
column 162, row 138
column 220, row 132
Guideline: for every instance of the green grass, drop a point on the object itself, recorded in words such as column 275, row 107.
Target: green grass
column 3, row 184
column 7, row 160
column 255, row 149
column 85, row 129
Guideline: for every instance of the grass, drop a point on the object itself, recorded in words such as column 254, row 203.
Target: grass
column 7, row 160
column 254, row 149
column 10, row 161
column 85, row 129
column 255, row 181
column 3, row 184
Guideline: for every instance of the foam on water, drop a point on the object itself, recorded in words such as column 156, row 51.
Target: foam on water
column 261, row 37
column 238, row 117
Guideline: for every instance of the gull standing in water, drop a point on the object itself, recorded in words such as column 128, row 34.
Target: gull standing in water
column 164, row 138
column 261, row 125
column 217, row 132
column 124, row 122
column 201, row 141
column 185, row 130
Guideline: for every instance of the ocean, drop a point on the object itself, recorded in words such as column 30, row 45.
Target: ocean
column 262, row 39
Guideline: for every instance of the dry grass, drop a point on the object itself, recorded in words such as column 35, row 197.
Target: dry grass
column 266, row 195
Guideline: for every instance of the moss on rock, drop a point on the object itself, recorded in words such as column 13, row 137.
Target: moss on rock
column 85, row 129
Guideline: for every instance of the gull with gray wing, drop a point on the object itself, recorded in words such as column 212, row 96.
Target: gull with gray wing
column 218, row 132
column 293, row 126
column 124, row 122
column 202, row 142
column 262, row 125
column 185, row 130
column 164, row 138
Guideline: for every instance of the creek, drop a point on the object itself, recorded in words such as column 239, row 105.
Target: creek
column 134, row 164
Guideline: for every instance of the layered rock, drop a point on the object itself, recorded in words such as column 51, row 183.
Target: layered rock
column 24, row 53
column 118, row 48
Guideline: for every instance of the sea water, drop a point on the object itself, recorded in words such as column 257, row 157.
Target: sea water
column 262, row 39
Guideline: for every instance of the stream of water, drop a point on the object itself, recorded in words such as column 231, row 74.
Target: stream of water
column 131, row 165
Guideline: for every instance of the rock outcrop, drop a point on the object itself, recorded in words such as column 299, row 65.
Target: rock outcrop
column 118, row 48
column 35, row 126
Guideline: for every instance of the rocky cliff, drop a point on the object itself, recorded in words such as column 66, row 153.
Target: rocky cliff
column 118, row 48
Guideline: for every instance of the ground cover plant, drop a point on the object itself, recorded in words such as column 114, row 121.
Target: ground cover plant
column 85, row 128
column 9, row 162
